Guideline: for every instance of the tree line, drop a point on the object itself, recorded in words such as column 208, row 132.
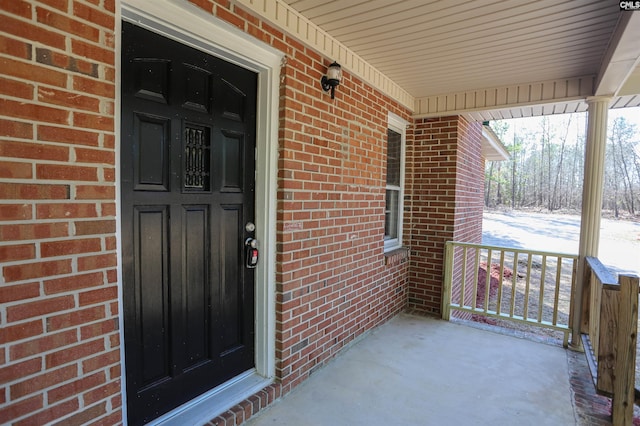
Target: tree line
column 546, row 166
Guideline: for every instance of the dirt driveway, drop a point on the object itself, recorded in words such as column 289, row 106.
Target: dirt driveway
column 619, row 239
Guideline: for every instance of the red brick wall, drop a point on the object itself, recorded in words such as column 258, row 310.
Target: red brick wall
column 445, row 192
column 332, row 280
column 469, row 203
column 59, row 337
column 470, row 183
column 60, row 348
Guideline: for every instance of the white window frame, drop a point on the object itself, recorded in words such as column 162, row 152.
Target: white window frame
column 398, row 125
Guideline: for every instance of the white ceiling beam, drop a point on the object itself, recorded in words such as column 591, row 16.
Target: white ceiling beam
column 622, row 55
column 632, row 84
column 505, row 97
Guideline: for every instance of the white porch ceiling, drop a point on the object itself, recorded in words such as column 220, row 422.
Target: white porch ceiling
column 487, row 59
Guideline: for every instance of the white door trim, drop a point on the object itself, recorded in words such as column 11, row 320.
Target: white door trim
column 186, row 23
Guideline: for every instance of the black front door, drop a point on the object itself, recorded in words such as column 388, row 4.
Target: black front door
column 188, row 175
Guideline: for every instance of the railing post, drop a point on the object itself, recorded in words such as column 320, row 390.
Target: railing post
column 626, row 340
column 448, row 281
column 587, row 291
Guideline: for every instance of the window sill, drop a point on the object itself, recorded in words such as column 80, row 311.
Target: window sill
column 397, row 256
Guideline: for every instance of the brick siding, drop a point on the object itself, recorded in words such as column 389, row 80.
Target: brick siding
column 60, row 353
column 469, row 183
column 332, row 281
column 59, row 336
column 469, row 201
column 445, row 190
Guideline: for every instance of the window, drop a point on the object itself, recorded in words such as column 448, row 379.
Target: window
column 395, row 183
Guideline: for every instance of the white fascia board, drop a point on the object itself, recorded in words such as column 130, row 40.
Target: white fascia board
column 492, row 147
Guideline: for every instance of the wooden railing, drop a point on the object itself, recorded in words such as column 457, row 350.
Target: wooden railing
column 517, row 285
column 609, row 335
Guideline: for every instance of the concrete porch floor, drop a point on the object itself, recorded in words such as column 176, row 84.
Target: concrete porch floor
column 423, row 371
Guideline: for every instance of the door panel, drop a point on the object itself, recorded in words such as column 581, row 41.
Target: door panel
column 230, row 336
column 232, row 144
column 197, row 88
column 150, row 241
column 188, row 140
column 151, row 78
column 152, row 135
column 196, row 245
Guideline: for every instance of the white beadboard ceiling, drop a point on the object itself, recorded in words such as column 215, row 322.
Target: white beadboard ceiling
column 443, row 53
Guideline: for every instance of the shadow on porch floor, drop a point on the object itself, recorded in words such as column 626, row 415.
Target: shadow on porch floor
column 423, row 371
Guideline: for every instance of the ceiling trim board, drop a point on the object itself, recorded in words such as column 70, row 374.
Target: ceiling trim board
column 289, row 20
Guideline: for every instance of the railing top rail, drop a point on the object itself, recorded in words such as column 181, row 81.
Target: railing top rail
column 513, row 249
column 601, row 271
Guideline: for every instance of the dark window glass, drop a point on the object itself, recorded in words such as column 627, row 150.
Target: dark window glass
column 394, row 151
column 391, row 211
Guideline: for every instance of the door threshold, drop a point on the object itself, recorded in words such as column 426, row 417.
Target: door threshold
column 211, row 404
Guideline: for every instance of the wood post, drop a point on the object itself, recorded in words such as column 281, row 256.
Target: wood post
column 610, row 320
column 625, row 352
column 448, row 281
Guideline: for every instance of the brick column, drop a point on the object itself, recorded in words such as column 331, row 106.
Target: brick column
column 446, row 201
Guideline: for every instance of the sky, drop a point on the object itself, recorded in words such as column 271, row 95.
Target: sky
column 577, row 127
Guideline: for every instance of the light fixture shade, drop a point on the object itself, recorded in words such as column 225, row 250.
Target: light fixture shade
column 334, row 72
column 332, row 79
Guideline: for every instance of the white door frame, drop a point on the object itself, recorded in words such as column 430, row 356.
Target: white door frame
column 188, row 24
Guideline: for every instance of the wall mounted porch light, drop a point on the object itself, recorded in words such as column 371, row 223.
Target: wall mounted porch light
column 332, row 79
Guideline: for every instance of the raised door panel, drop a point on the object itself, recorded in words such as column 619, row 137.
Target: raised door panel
column 196, row 285
column 152, row 282
column 231, row 297
column 152, row 136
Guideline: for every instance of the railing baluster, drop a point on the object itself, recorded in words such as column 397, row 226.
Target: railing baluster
column 525, row 314
column 556, row 296
column 543, row 276
column 514, row 281
column 476, row 267
column 501, row 272
column 488, row 281
column 464, row 275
